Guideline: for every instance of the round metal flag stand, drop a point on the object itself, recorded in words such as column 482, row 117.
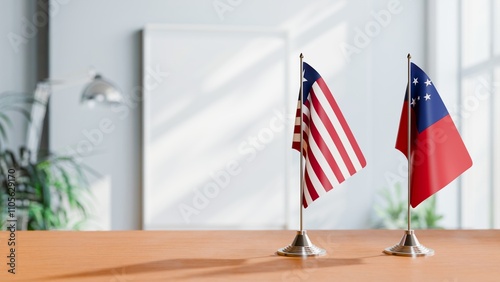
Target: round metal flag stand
column 301, row 247
column 409, row 247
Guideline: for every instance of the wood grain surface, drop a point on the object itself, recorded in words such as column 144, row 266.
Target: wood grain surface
column 461, row 255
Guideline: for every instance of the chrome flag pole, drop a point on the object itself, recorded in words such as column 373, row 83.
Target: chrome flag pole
column 301, row 168
column 301, row 245
column 409, row 245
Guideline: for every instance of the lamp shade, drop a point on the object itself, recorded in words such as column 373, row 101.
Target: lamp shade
column 101, row 90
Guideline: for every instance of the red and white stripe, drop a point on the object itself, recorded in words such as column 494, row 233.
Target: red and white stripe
column 331, row 153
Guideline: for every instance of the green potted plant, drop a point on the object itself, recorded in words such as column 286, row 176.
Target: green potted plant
column 48, row 193
column 393, row 212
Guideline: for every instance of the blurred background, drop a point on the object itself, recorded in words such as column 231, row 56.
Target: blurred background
column 201, row 138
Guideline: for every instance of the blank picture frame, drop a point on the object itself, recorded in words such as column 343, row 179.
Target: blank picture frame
column 217, row 127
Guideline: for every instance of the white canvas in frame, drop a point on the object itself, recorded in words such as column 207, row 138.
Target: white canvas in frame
column 216, row 131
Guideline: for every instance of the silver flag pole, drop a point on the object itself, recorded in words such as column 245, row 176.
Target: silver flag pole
column 409, row 246
column 301, row 245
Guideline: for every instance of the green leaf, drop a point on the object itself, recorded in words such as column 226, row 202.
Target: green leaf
column 56, row 187
column 392, row 213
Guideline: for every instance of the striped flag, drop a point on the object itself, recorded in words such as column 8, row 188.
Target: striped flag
column 331, row 153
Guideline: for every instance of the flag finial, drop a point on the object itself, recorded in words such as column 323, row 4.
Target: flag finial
column 301, row 56
column 409, row 56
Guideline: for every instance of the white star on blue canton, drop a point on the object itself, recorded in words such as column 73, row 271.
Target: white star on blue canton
column 427, row 96
column 415, row 80
column 427, row 82
column 304, row 75
column 413, row 102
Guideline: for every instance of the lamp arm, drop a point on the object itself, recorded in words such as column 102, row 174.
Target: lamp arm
column 58, row 84
column 38, row 110
column 42, row 93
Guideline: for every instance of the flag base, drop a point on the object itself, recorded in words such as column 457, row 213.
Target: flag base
column 301, row 247
column 409, row 247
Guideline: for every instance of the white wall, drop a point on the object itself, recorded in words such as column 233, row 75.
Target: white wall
column 368, row 85
column 17, row 57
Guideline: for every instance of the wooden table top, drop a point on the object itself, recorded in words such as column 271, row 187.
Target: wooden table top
column 354, row 255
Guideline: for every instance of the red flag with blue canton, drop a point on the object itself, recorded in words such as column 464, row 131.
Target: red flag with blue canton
column 331, row 153
column 438, row 153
